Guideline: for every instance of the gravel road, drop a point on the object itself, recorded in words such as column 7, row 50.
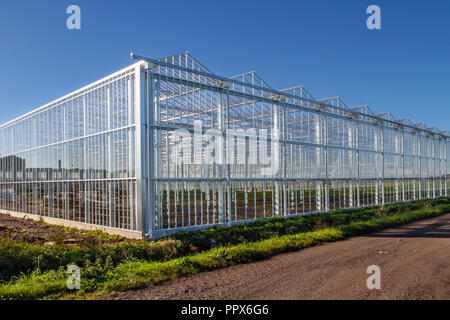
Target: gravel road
column 414, row 260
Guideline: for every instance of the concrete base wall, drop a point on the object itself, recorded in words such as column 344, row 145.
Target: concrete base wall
column 78, row 225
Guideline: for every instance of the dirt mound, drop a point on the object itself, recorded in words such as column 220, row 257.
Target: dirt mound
column 27, row 230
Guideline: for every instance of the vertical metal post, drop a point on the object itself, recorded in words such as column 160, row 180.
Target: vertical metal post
column 420, row 164
column 63, row 168
column 276, row 144
column 376, row 147
column 152, row 114
column 397, row 192
column 358, row 187
column 318, row 162
column 141, row 103
column 132, row 157
column 228, row 150
column 446, row 167
column 403, row 165
column 220, row 153
column 109, row 155
column 350, row 162
column 285, row 195
column 285, row 203
column 327, row 200
column 434, row 168
column 86, row 166
column 428, row 146
column 383, row 198
column 414, row 156
column 440, row 167
column 155, row 155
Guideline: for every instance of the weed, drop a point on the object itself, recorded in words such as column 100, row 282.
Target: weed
column 104, row 275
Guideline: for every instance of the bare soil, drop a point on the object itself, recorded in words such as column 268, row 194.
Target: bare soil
column 27, row 230
column 414, row 260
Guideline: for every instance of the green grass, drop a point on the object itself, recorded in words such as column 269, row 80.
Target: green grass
column 103, row 276
column 18, row 259
column 273, row 227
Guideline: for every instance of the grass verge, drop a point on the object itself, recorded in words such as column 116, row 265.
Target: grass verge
column 21, row 259
column 103, row 277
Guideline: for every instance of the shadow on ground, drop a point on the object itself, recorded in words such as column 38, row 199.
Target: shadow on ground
column 440, row 229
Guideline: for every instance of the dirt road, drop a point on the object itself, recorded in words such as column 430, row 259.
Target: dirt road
column 414, row 260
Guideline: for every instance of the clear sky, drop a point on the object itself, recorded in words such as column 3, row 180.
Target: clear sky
column 403, row 68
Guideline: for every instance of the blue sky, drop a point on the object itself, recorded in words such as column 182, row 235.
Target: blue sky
column 324, row 45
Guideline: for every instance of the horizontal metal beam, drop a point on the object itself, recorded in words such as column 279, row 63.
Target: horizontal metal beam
column 275, row 92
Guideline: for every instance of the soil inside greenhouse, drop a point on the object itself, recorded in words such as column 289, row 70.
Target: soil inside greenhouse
column 26, row 230
column 414, row 262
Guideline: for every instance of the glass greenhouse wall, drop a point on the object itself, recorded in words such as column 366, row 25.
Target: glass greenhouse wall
column 166, row 145
column 74, row 159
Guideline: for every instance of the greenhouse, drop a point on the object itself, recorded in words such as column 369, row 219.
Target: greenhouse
column 167, row 145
